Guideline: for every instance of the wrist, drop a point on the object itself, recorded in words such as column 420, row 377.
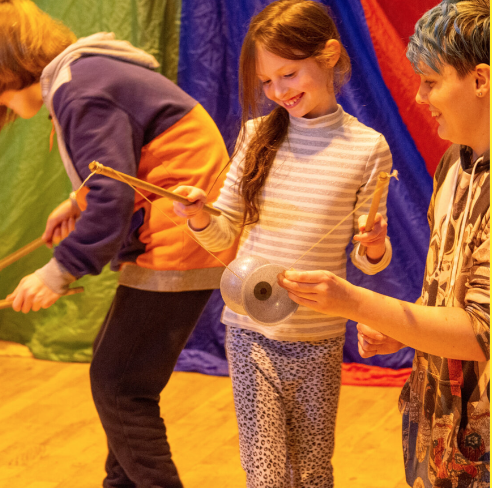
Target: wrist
column 199, row 222
column 375, row 253
column 350, row 300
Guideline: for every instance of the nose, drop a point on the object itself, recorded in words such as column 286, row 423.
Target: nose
column 280, row 90
column 421, row 96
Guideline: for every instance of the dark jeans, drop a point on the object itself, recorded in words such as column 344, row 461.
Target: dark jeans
column 134, row 355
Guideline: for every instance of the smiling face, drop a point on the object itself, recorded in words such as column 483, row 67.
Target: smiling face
column 303, row 87
column 26, row 103
column 452, row 101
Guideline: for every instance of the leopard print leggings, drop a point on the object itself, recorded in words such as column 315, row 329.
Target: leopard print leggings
column 286, row 399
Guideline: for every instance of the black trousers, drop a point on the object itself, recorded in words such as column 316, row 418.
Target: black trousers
column 134, row 355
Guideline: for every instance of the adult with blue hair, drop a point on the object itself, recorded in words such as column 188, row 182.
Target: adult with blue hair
column 445, row 403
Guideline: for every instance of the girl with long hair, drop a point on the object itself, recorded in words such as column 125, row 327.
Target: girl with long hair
column 295, row 173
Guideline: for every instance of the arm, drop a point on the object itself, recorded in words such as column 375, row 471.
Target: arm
column 372, row 342
column 441, row 331
column 91, row 131
column 379, row 252
column 98, row 131
column 215, row 233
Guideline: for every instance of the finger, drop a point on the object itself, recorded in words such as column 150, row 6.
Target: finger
column 307, row 277
column 301, row 300
column 182, row 190
column 369, row 332
column 185, row 211
column 297, row 287
column 17, row 302
column 14, row 294
column 369, row 346
column 56, row 237
column 191, row 193
column 36, row 305
column 197, row 195
column 48, row 231
column 71, row 224
column 362, row 223
column 49, row 300
column 27, row 302
column 365, row 354
column 374, row 235
column 63, row 230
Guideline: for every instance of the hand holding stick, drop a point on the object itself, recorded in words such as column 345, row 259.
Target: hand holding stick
column 383, row 180
column 72, row 291
column 98, row 168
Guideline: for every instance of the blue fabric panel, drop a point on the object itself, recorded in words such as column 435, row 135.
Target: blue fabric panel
column 211, row 37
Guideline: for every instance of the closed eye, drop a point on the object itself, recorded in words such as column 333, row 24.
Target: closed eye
column 289, row 75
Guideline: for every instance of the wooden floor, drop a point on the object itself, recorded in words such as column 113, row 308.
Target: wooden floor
column 50, row 436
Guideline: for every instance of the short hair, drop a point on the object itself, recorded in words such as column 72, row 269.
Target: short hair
column 455, row 33
column 29, row 40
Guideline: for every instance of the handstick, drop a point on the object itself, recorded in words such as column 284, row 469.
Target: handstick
column 98, row 168
column 20, row 253
column 71, row 291
column 383, row 180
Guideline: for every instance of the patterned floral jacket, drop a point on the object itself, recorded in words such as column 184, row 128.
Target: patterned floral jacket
column 446, row 402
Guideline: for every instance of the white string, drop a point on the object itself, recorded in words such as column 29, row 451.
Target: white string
column 121, row 177
column 394, row 174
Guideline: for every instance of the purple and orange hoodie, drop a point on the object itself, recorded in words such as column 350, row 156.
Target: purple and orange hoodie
column 107, row 105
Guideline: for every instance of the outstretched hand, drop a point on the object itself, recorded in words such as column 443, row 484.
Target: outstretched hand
column 32, row 294
column 371, row 342
column 320, row 290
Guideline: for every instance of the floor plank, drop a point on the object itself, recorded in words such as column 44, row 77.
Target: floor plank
column 51, row 436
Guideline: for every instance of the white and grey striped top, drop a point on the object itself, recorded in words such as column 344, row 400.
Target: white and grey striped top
column 322, row 170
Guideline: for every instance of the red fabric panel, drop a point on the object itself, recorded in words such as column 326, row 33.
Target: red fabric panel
column 403, row 83
column 403, row 14
column 357, row 374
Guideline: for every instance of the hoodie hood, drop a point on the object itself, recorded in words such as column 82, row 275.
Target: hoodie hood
column 104, row 44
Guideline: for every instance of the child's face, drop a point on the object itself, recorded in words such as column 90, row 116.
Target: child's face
column 303, row 87
column 452, row 102
column 26, row 103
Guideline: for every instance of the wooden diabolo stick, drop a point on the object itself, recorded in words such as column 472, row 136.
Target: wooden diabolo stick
column 98, row 168
column 20, row 253
column 383, row 180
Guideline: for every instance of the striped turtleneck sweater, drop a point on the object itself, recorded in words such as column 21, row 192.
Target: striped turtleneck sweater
column 324, row 169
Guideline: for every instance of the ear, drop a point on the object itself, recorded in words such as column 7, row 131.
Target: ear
column 482, row 80
column 331, row 52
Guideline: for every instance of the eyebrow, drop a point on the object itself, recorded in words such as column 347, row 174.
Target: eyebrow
column 283, row 68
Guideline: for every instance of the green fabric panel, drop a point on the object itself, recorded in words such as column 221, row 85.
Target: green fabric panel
column 34, row 182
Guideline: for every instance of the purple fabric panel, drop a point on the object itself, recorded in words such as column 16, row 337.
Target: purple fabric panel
column 211, row 37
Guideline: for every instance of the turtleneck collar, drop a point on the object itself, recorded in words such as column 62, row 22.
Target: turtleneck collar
column 333, row 121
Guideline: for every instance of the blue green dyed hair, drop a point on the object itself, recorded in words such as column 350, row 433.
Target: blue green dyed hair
column 456, row 33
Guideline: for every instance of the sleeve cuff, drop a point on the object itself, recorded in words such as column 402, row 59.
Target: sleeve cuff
column 217, row 236
column 362, row 263
column 55, row 276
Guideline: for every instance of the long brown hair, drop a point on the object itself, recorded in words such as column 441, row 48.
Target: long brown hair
column 29, row 40
column 291, row 29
